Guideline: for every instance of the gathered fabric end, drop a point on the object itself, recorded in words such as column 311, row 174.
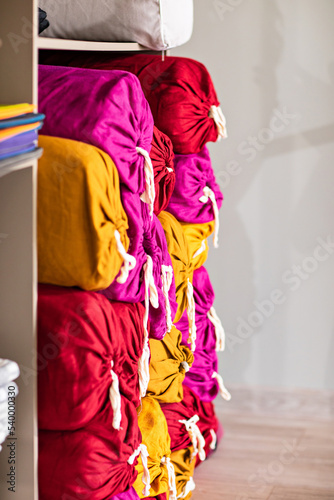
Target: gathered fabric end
column 171, row 478
column 129, row 260
column 115, row 399
column 185, row 366
column 213, row 443
column 146, row 475
column 189, row 486
column 196, row 437
column 222, row 389
column 148, row 195
column 215, row 112
column 210, row 195
column 167, row 279
column 219, row 330
column 200, row 250
column 191, row 316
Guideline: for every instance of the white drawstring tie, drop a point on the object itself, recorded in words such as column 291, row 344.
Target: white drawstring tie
column 191, row 316
column 151, row 296
column 167, row 279
column 210, row 195
column 196, row 437
column 185, row 366
column 201, row 249
column 142, row 450
column 171, row 477
column 213, row 443
column 215, row 112
column 222, row 389
column 219, row 330
column 129, row 260
column 115, row 399
column 148, row 195
column 189, row 486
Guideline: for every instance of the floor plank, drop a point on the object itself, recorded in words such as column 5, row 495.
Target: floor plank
column 278, row 445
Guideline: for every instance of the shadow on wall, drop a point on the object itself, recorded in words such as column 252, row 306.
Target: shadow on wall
column 244, row 282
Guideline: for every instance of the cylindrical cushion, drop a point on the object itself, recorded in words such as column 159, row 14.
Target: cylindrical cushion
column 193, row 173
column 155, row 437
column 156, row 25
column 105, row 109
column 184, row 470
column 169, row 362
column 91, row 462
column 79, row 209
column 179, row 90
column 184, row 410
column 179, row 251
column 79, row 335
column 162, row 157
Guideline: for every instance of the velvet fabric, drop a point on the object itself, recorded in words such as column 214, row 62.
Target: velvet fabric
column 78, row 211
column 184, row 470
column 79, row 335
column 155, row 437
column 162, row 496
column 184, row 410
column 91, row 462
column 193, row 172
column 130, row 494
column 105, row 109
column 196, row 236
column 162, row 157
column 179, row 252
column 147, row 238
column 179, row 90
column 199, row 377
column 169, row 362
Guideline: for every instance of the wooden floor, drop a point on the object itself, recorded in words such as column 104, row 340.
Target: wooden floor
column 277, row 446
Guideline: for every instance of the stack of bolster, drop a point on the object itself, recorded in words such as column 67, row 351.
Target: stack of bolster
column 130, row 220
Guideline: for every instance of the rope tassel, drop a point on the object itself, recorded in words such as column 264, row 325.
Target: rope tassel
column 171, row 477
column 142, row 451
column 115, row 399
column 129, row 260
column 210, row 195
column 219, row 330
column 167, row 279
column 222, row 389
column 151, row 296
column 189, row 486
column 196, row 437
column 213, row 443
column 191, row 316
column 148, row 195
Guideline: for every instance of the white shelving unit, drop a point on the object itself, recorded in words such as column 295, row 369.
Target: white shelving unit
column 19, row 46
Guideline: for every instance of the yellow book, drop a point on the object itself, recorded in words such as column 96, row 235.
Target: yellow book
column 11, row 110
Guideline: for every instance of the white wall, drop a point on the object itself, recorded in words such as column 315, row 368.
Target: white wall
column 269, row 57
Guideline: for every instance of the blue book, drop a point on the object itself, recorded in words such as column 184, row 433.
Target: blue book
column 21, row 120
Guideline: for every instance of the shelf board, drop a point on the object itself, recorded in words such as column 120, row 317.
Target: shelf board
column 63, row 44
column 19, row 162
